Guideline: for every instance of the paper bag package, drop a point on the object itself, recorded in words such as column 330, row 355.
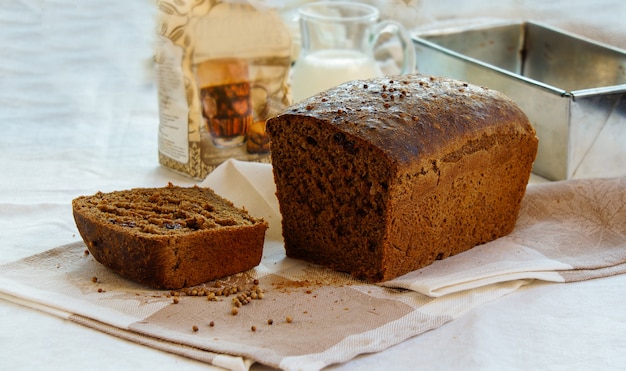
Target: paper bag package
column 222, row 70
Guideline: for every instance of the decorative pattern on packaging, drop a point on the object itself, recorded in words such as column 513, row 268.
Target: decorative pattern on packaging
column 194, row 136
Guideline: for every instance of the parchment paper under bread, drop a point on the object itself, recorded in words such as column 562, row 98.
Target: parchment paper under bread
column 567, row 231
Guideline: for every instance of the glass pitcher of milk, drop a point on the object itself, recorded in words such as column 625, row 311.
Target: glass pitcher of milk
column 338, row 40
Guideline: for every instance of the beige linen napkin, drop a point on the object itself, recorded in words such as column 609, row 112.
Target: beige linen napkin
column 567, row 231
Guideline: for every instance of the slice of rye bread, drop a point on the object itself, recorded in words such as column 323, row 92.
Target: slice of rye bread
column 170, row 237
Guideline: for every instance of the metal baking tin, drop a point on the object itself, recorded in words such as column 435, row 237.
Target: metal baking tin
column 572, row 89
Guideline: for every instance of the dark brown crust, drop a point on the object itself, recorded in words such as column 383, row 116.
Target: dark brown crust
column 384, row 176
column 171, row 261
column 411, row 117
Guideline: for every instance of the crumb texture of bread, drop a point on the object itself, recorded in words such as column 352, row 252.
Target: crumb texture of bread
column 169, row 237
column 384, row 176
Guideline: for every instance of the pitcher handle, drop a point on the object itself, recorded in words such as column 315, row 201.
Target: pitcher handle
column 397, row 30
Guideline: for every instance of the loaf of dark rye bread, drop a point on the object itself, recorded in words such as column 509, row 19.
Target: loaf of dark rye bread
column 170, row 237
column 384, row 176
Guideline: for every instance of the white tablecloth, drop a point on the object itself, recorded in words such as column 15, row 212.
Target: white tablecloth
column 78, row 114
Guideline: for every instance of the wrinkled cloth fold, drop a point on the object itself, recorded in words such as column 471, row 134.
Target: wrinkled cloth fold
column 566, row 231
